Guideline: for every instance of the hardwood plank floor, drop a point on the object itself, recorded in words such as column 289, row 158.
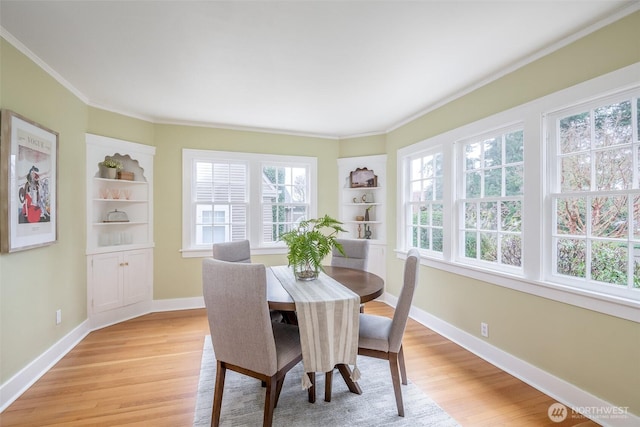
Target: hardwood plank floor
column 145, row 372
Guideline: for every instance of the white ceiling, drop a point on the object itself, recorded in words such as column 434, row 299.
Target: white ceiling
column 327, row 68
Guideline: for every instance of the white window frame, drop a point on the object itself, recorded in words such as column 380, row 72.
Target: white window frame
column 533, row 277
column 555, row 193
column 461, row 199
column 406, row 186
column 255, row 162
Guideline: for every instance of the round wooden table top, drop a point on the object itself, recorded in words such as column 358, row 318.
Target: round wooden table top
column 368, row 285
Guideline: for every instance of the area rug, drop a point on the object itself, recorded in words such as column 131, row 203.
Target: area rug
column 243, row 400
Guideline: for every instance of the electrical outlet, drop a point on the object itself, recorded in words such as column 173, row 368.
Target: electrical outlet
column 484, row 329
column 58, row 316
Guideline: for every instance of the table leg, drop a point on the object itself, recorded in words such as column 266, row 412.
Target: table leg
column 345, row 371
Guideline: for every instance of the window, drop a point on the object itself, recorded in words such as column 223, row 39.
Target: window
column 285, row 199
column 492, row 195
column 542, row 198
column 221, row 201
column 425, row 209
column 235, row 196
column 595, row 194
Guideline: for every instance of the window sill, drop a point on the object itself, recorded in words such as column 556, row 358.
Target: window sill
column 206, row 253
column 621, row 307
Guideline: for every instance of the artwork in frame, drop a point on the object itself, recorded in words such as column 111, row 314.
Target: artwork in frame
column 28, row 189
column 363, row 177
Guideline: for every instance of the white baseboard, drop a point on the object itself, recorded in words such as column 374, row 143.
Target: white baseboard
column 564, row 392
column 27, row 376
column 178, row 304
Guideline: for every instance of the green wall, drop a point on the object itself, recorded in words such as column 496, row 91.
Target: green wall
column 177, row 277
column 596, row 352
column 37, row 282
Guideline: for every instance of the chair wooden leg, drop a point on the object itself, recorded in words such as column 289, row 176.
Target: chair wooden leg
column 278, row 390
column 403, row 369
column 328, row 383
column 312, row 389
column 221, row 370
column 395, row 378
column 270, row 402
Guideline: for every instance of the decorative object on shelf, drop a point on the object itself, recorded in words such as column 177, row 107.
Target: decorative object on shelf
column 359, row 218
column 110, row 167
column 116, row 216
column 367, row 231
column 29, row 184
column 363, row 177
column 127, row 176
column 366, row 213
column 309, row 245
column 360, row 230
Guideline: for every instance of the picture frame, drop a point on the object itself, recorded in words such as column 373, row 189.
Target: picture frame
column 363, row 177
column 29, row 185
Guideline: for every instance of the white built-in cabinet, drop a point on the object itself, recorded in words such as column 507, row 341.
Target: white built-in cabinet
column 119, row 231
column 354, row 202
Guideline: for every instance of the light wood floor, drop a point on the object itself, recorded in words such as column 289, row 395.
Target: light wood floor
column 145, row 372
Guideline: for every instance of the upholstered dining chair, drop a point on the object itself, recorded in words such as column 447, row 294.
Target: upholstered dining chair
column 249, row 344
column 381, row 337
column 356, row 254
column 239, row 251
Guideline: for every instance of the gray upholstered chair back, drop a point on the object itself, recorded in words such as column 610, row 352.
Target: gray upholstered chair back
column 232, row 251
column 235, row 295
column 356, row 254
column 399, row 323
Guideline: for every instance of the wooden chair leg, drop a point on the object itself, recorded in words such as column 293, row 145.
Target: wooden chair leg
column 395, row 378
column 328, row 383
column 403, row 369
column 312, row 389
column 278, row 390
column 221, row 370
column 270, row 402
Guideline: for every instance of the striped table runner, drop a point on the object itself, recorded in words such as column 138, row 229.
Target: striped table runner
column 328, row 318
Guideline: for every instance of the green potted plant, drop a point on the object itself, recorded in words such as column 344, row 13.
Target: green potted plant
column 110, row 167
column 309, row 243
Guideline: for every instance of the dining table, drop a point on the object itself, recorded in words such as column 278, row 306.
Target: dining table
column 368, row 286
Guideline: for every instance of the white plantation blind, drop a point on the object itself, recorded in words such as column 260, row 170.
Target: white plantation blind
column 221, row 201
column 221, row 182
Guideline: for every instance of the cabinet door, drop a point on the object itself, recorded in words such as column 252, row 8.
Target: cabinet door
column 106, row 281
column 137, row 277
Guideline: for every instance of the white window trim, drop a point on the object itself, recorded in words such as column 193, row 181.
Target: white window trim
column 535, row 228
column 405, row 188
column 460, row 189
column 255, row 161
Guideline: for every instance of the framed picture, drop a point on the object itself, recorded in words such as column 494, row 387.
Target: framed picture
column 363, row 177
column 28, row 189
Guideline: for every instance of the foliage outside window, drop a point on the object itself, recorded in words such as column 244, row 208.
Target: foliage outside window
column 596, row 193
column 492, row 196
column 425, row 205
